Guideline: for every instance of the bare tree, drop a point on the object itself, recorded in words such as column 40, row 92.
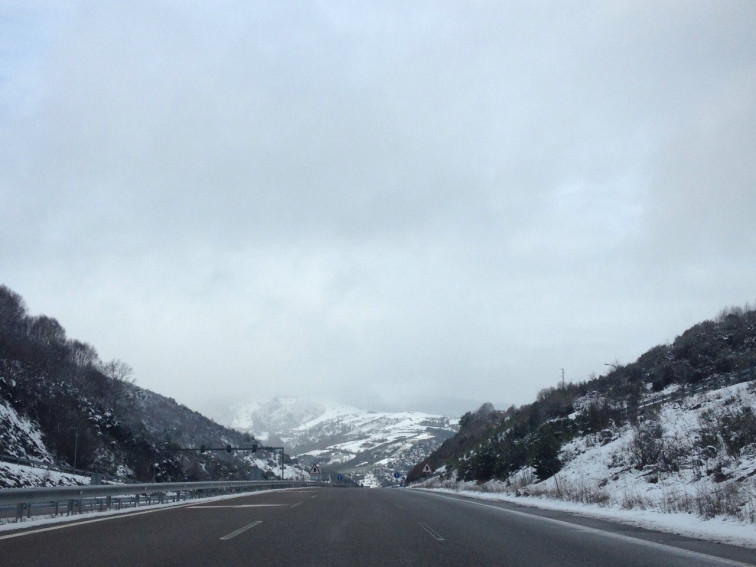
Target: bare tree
column 12, row 310
column 120, row 377
column 82, row 354
column 47, row 331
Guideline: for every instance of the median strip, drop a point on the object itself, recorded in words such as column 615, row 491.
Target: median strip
column 240, row 530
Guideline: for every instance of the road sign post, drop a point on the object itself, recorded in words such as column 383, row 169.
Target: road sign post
column 315, row 470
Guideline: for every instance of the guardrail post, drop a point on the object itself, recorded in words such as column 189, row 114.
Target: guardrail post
column 109, row 502
column 19, row 512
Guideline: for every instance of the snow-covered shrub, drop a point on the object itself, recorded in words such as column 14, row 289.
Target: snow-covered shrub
column 726, row 499
column 647, row 444
column 738, row 429
column 708, row 432
column 733, row 429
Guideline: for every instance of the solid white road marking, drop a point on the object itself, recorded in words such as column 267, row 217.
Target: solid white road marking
column 209, row 506
column 240, row 530
column 434, row 534
column 72, row 521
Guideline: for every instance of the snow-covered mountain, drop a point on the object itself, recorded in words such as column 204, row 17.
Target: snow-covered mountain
column 369, row 447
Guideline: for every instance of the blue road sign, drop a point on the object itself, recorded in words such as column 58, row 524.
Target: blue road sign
column 397, row 475
column 339, row 477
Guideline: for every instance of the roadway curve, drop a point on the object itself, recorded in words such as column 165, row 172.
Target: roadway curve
column 354, row 527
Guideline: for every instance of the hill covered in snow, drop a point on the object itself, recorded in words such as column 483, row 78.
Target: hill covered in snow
column 62, row 408
column 674, row 431
column 369, row 447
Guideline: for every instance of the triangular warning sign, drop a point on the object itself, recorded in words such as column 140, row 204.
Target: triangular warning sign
column 315, row 469
column 427, row 469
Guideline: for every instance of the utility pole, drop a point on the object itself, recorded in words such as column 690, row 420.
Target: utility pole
column 76, row 446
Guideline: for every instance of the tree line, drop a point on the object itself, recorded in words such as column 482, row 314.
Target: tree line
column 495, row 444
column 91, row 413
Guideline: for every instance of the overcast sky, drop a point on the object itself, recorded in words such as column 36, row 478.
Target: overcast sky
column 396, row 205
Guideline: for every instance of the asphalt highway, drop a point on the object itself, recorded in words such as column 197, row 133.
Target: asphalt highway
column 354, row 527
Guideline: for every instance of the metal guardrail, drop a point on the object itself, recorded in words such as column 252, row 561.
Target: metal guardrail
column 74, row 496
column 712, row 383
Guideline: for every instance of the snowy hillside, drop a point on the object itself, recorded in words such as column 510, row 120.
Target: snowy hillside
column 367, row 446
column 699, row 450
column 23, row 441
column 20, row 436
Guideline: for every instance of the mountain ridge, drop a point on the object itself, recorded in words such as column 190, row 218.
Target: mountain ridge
column 369, row 446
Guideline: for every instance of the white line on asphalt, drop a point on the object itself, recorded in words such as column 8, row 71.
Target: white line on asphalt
column 72, row 521
column 437, row 536
column 209, row 506
column 630, row 539
column 240, row 530
column 295, row 504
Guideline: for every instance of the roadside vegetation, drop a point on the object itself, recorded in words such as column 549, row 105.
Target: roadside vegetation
column 61, row 407
column 673, row 431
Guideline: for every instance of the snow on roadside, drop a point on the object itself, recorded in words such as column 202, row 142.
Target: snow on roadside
column 719, row 530
column 23, row 476
column 708, row 494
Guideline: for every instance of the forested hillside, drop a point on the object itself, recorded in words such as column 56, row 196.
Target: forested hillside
column 628, row 400
column 61, row 405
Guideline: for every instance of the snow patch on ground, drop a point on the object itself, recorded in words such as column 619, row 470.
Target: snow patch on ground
column 22, row 476
column 21, row 437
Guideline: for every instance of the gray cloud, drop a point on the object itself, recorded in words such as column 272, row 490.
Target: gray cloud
column 393, row 206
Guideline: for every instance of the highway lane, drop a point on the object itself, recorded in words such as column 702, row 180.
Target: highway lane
column 334, row 526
